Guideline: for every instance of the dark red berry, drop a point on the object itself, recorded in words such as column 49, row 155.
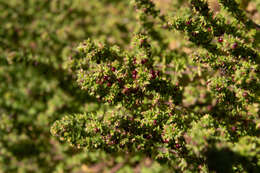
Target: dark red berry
column 234, row 45
column 105, row 78
column 177, row 145
column 220, row 40
column 134, row 61
column 152, row 72
column 134, row 73
column 96, row 130
column 113, row 69
column 109, row 84
column 154, row 122
column 144, row 61
column 188, row 22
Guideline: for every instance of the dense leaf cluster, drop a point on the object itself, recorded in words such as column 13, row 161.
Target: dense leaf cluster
column 181, row 87
column 193, row 123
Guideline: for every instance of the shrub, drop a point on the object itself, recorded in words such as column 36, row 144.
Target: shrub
column 196, row 110
column 36, row 37
column 181, row 86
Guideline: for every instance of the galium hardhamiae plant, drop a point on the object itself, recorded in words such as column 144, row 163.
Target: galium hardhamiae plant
column 151, row 111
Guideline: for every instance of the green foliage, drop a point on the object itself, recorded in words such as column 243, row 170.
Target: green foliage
column 153, row 88
column 193, row 122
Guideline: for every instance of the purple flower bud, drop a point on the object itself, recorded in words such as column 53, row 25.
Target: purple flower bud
column 234, row 45
column 113, row 69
